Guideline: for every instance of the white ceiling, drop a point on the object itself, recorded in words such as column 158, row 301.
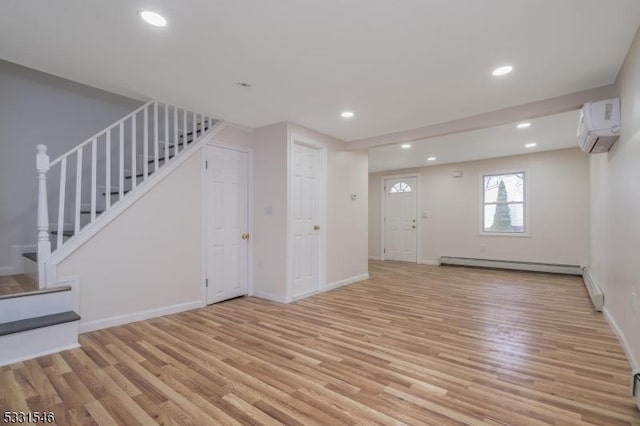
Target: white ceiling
column 398, row 64
column 551, row 132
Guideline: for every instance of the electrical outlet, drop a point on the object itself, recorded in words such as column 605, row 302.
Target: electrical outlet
column 635, row 385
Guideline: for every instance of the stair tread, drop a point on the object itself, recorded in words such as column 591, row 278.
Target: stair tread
column 117, row 192
column 64, row 233
column 206, row 127
column 172, row 145
column 31, row 256
column 36, row 292
column 161, row 159
column 139, row 175
column 37, row 322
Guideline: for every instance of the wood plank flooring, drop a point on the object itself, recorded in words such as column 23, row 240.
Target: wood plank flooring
column 15, row 284
column 414, row 344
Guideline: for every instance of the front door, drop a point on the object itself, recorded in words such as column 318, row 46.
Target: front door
column 227, row 224
column 400, row 223
column 306, row 219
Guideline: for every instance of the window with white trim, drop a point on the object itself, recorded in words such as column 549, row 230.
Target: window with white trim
column 400, row 187
column 504, row 204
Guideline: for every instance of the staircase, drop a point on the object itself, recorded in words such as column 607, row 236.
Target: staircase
column 82, row 191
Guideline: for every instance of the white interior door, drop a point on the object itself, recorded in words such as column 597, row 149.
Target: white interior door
column 227, row 224
column 400, row 222
column 306, row 217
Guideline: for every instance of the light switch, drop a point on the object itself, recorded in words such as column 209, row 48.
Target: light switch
column 268, row 210
column 425, row 215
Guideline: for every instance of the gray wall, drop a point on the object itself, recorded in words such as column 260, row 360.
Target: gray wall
column 39, row 108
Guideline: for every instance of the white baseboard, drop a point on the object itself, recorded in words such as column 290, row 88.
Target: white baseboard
column 282, row 299
column 304, row 296
column 433, row 262
column 513, row 264
column 16, row 259
column 633, row 361
column 375, row 257
column 269, row 296
column 86, row 327
column 347, row 281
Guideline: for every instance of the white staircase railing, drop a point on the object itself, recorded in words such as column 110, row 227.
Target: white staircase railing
column 108, row 166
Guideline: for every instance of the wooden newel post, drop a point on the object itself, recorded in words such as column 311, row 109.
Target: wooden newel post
column 44, row 244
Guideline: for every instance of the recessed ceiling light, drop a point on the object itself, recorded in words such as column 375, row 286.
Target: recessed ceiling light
column 523, row 125
column 530, row 145
column 503, row 70
column 405, row 146
column 431, row 158
column 347, row 114
column 153, row 18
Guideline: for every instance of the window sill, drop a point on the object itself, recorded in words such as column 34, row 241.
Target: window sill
column 504, row 234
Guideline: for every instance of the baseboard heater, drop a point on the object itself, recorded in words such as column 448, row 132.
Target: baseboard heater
column 511, row 264
column 595, row 292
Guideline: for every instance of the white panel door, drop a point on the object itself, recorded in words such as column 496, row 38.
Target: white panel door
column 227, row 224
column 306, row 217
column 400, row 225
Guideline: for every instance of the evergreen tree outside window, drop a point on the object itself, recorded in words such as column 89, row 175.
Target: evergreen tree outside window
column 504, row 204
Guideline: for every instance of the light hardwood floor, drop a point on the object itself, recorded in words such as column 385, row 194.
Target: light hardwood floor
column 413, row 344
column 16, row 284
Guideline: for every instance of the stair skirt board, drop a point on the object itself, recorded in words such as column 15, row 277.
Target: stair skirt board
column 594, row 290
column 31, row 305
column 38, row 342
column 88, row 326
column 515, row 265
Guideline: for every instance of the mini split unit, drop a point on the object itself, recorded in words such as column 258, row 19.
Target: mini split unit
column 599, row 126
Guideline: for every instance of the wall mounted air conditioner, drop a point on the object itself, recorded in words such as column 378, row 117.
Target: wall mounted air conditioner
column 599, row 125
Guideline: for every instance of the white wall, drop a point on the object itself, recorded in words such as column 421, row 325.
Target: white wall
column 558, row 203
column 37, row 108
column 270, row 229
column 236, row 135
column 148, row 258
column 615, row 213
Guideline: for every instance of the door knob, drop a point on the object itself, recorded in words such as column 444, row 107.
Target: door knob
column 316, row 227
column 414, row 227
column 245, row 236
